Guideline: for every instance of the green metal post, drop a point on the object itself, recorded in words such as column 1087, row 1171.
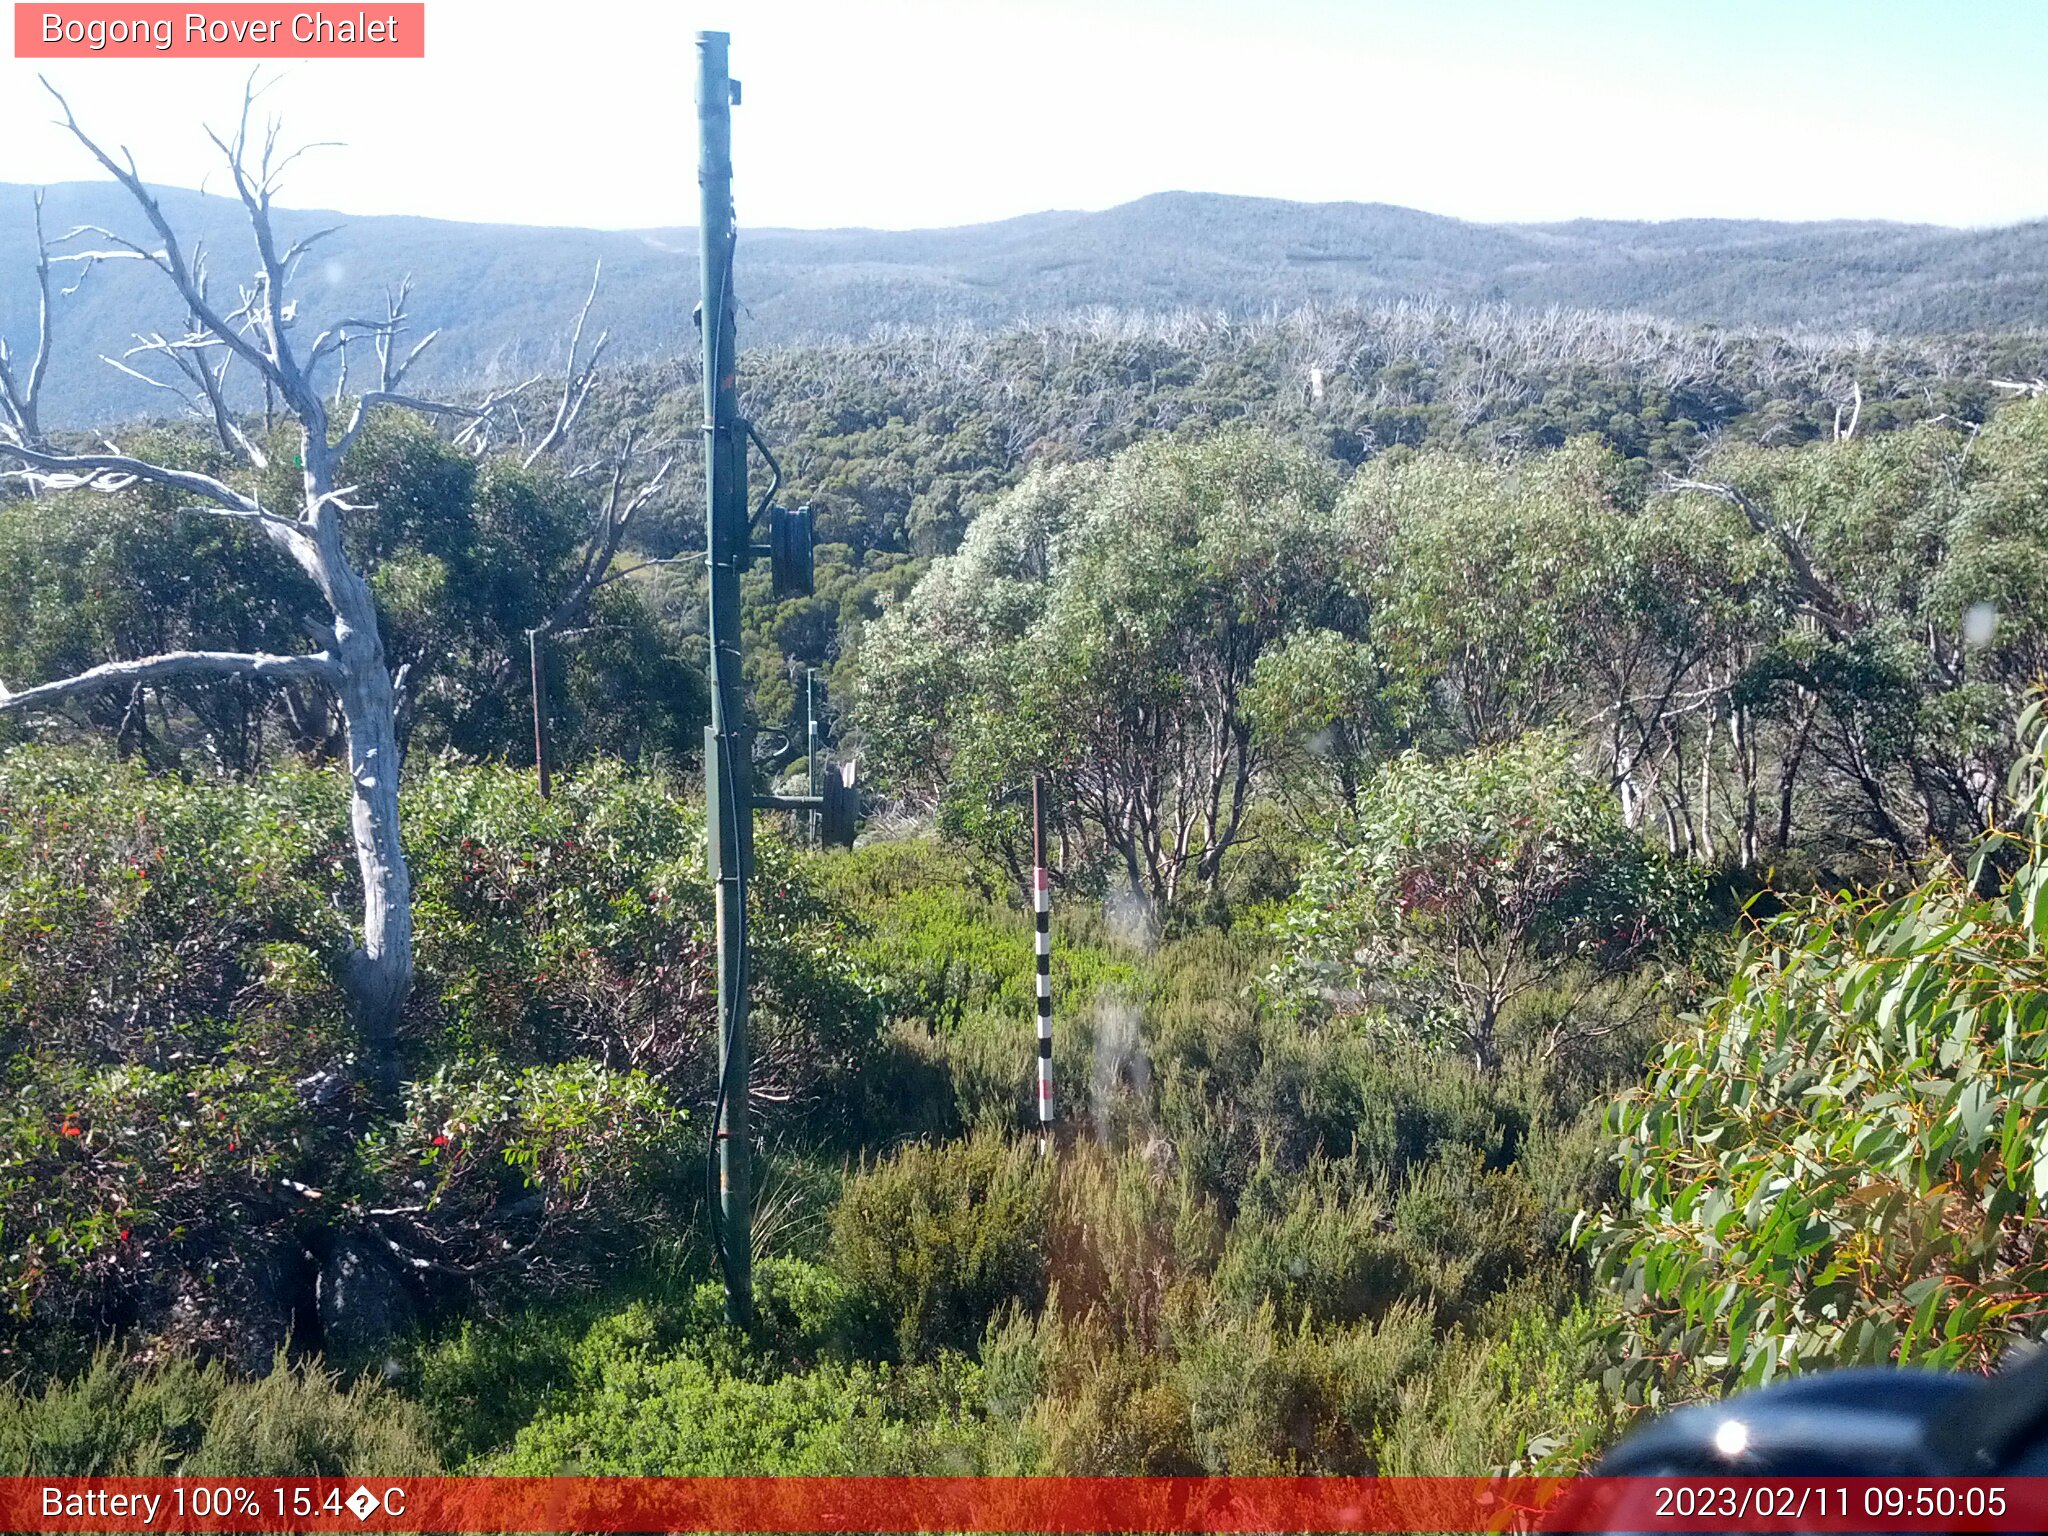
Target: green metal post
column 728, row 756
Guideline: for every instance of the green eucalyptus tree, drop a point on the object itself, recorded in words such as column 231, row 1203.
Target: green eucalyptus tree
column 1104, row 626
column 1465, row 886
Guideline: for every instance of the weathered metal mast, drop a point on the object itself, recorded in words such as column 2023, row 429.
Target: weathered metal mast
column 729, row 797
column 730, row 829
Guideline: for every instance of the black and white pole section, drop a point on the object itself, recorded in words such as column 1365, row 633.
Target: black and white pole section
column 1041, row 906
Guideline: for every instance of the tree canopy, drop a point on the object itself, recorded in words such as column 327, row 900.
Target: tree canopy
column 1845, row 1158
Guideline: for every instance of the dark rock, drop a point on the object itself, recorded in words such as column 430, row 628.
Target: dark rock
column 364, row 1301
column 244, row 1315
column 321, row 1089
column 528, row 1209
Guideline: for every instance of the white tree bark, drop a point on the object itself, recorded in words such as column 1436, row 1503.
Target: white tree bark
column 257, row 333
column 21, row 387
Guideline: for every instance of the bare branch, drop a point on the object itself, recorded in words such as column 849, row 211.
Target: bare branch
column 276, row 312
column 116, row 472
column 1846, row 430
column 20, row 394
column 1822, row 601
column 170, row 667
column 305, row 243
column 138, row 375
column 608, row 530
column 390, row 375
column 342, row 334
column 647, row 565
column 125, row 249
column 213, row 385
column 277, row 527
column 393, row 373
column 576, row 379
column 171, row 259
column 372, row 397
column 476, row 436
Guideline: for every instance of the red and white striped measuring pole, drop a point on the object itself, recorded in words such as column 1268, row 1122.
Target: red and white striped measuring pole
column 1041, row 907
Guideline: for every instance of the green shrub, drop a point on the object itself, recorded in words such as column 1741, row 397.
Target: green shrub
column 1845, row 1158
column 1468, row 1232
column 581, row 925
column 1222, row 1389
column 1524, row 1400
column 1266, row 1397
column 1125, row 1233
column 932, row 1241
column 147, row 918
column 1463, row 887
column 1315, row 1248
column 179, row 1418
column 1240, row 1086
column 681, row 1392
column 527, row 1175
column 1082, row 1403
column 179, row 1120
column 127, row 1178
column 941, row 938
column 488, row 1377
column 679, row 1416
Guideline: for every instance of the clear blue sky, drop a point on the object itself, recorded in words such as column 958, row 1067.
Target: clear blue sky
column 906, row 113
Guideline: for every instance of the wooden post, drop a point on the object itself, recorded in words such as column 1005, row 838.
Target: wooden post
column 540, row 711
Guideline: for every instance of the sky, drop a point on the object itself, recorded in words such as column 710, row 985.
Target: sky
column 909, row 114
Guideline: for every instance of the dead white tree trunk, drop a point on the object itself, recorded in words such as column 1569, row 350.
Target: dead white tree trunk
column 257, row 332
column 21, row 383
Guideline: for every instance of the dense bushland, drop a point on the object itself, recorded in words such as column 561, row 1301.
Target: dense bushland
column 180, row 1418
column 464, row 555
column 1806, row 661
column 189, row 1153
column 189, row 1166
column 1410, row 803
column 1256, row 1246
column 1845, row 1160
column 899, row 442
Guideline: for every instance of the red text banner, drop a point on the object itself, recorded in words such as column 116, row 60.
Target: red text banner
column 1023, row 1504
column 227, row 31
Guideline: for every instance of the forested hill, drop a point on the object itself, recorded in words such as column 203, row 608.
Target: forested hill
column 501, row 293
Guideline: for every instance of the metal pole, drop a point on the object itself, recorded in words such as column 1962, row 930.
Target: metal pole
column 728, row 758
column 814, row 771
column 540, row 711
column 1041, row 908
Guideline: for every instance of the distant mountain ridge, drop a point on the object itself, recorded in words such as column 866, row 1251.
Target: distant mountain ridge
column 502, row 294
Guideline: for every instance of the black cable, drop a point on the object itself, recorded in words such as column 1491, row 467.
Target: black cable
column 774, row 477
column 728, row 1027
column 737, row 990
